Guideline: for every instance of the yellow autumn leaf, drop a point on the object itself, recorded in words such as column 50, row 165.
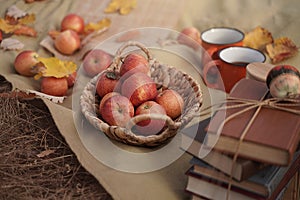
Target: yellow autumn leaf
column 91, row 26
column 122, row 6
column 27, row 19
column 54, row 67
column 6, row 27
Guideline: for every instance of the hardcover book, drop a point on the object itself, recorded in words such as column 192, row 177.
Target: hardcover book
column 272, row 137
column 192, row 141
column 266, row 184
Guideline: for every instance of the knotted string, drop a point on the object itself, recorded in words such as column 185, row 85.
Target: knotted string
column 286, row 104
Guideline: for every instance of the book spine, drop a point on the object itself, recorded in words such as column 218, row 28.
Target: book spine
column 287, row 177
column 277, row 177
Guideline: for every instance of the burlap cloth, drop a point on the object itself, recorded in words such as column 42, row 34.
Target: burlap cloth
column 282, row 18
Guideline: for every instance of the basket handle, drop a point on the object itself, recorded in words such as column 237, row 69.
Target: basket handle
column 118, row 56
column 138, row 118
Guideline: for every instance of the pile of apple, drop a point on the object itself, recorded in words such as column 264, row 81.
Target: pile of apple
column 26, row 64
column 130, row 91
column 67, row 41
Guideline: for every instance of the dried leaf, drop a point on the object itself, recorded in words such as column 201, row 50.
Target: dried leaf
column 15, row 22
column 6, row 27
column 11, row 20
column 45, row 153
column 28, row 19
column 25, row 30
column 91, row 26
column 55, row 67
column 258, row 38
column 282, row 49
column 11, row 44
column 122, row 6
column 15, row 12
column 53, row 33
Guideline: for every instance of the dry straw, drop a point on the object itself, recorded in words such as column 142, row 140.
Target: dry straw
column 35, row 160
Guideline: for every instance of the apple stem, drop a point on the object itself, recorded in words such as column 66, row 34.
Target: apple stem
column 111, row 75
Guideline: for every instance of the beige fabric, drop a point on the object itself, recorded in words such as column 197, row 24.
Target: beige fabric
column 282, row 18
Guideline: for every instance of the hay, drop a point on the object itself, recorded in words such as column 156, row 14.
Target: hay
column 35, row 160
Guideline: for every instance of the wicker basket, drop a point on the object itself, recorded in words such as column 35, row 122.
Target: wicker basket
column 163, row 75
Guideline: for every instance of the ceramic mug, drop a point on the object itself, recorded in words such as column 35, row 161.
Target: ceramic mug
column 230, row 67
column 217, row 38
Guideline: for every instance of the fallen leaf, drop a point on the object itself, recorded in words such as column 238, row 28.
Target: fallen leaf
column 16, row 22
column 258, row 38
column 122, row 6
column 11, row 44
column 55, row 67
column 27, row 19
column 91, row 26
column 25, row 30
column 282, row 49
column 6, row 27
column 53, row 33
column 45, row 153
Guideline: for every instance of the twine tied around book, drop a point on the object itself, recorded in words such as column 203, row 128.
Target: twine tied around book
column 286, row 104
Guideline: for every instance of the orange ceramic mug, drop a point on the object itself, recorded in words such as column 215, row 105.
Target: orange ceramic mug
column 230, row 67
column 217, row 38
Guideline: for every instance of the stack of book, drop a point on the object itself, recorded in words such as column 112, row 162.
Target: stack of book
column 268, row 155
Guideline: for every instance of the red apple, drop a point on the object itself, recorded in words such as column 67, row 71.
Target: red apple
column 150, row 126
column 139, row 88
column 73, row 22
column 172, row 102
column 71, row 79
column 67, row 42
column 54, row 86
column 117, row 111
column 107, row 96
column 25, row 61
column 107, row 82
column 190, row 36
column 96, row 61
column 133, row 63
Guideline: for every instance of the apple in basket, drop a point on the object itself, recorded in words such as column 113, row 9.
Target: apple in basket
column 96, row 61
column 139, row 88
column 107, row 82
column 67, row 42
column 25, row 61
column 73, row 22
column 133, row 63
column 150, row 126
column 107, row 96
column 117, row 110
column 172, row 102
column 54, row 86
